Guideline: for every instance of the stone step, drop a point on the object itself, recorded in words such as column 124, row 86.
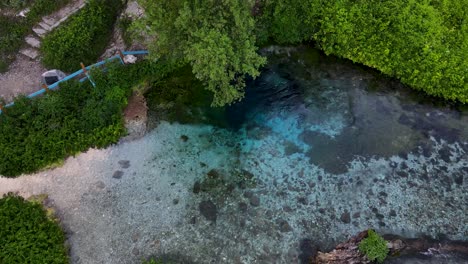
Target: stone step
column 61, row 20
column 49, row 21
column 39, row 31
column 33, row 41
column 45, row 26
column 30, row 52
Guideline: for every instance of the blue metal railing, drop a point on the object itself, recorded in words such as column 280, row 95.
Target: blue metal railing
column 75, row 74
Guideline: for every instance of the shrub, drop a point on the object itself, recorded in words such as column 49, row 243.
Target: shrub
column 83, row 38
column 27, row 235
column 40, row 132
column 124, row 24
column 374, row 247
column 422, row 43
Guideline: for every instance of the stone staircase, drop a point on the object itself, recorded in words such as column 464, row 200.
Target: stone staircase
column 47, row 24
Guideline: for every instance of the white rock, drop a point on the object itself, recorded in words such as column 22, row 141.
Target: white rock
column 130, row 59
column 34, row 42
column 48, row 21
column 31, row 53
column 45, row 26
column 23, row 12
column 39, row 31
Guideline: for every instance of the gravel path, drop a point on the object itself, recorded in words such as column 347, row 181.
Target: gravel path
column 24, row 77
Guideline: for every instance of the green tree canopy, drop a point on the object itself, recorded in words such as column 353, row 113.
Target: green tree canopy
column 424, row 43
column 216, row 37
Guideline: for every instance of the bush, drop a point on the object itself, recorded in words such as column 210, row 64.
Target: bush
column 40, row 132
column 27, row 235
column 83, row 38
column 374, row 247
column 423, row 43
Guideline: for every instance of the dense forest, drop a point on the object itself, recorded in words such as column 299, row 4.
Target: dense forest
column 424, row 43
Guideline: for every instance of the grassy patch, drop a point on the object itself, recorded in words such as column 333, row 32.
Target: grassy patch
column 28, row 235
column 374, row 247
column 83, row 38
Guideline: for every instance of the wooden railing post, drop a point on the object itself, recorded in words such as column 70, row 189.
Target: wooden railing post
column 121, row 56
column 46, row 87
column 83, row 68
column 87, row 74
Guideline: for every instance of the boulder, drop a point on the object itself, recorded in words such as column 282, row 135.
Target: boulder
column 136, row 117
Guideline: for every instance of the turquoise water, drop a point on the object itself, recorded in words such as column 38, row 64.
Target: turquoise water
column 319, row 150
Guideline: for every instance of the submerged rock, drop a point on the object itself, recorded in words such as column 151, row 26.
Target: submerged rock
column 196, row 187
column 284, row 226
column 209, row 210
column 345, row 217
column 124, row 164
column 118, row 174
column 254, row 200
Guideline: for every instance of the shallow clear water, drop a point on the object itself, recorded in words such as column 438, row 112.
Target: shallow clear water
column 318, row 151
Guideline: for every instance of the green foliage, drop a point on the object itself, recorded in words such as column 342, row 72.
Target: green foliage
column 40, row 132
column 374, row 247
column 125, row 24
column 285, row 22
column 27, row 235
column 215, row 37
column 423, row 43
column 14, row 4
column 153, row 261
column 180, row 97
column 83, row 38
column 12, row 31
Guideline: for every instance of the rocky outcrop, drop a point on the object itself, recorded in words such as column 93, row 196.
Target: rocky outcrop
column 344, row 253
column 348, row 252
column 136, row 117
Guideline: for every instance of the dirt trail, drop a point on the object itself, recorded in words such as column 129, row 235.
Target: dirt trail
column 24, row 77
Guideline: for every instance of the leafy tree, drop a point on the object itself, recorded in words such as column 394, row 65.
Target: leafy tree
column 216, row 37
